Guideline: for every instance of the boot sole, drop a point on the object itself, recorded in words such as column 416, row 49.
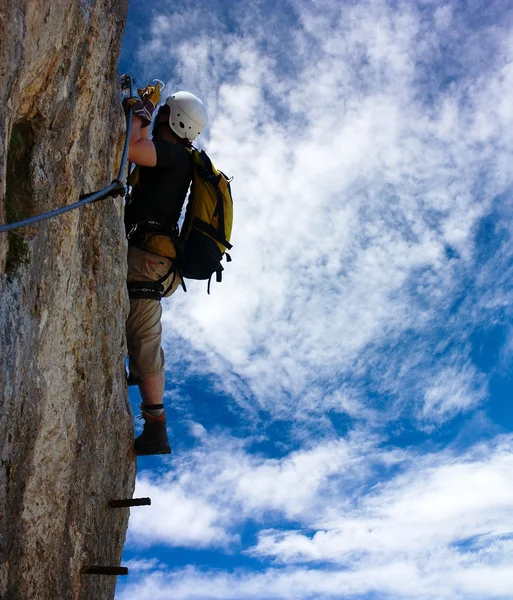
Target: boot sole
column 150, row 453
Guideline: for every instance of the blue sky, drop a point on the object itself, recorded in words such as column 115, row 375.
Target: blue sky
column 340, row 407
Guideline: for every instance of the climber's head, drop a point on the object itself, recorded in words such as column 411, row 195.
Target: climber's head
column 181, row 118
column 187, row 115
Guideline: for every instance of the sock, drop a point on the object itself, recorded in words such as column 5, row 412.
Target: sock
column 155, row 410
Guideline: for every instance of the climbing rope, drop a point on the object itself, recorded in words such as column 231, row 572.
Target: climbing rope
column 116, row 188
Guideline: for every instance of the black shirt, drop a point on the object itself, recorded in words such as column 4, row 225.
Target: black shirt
column 162, row 189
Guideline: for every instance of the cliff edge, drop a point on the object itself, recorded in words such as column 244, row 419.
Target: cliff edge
column 66, row 428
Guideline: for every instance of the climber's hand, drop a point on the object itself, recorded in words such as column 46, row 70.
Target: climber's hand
column 145, row 112
column 151, row 93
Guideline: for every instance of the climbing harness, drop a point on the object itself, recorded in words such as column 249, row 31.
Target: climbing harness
column 156, row 237
column 150, row 290
column 116, row 188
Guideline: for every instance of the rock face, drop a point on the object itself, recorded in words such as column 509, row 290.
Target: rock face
column 66, row 428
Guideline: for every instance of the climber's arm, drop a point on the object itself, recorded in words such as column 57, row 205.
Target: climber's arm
column 141, row 149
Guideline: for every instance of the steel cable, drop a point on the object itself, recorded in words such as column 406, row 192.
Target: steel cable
column 115, row 188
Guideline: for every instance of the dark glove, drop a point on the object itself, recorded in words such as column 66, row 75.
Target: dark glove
column 150, row 97
column 139, row 109
column 145, row 106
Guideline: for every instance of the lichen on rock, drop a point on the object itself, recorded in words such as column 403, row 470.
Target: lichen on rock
column 66, row 428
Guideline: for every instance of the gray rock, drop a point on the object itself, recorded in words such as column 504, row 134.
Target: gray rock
column 66, row 428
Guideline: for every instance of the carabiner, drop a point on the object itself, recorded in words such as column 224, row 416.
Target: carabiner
column 162, row 84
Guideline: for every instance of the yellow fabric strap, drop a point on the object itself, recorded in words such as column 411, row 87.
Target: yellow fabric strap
column 162, row 245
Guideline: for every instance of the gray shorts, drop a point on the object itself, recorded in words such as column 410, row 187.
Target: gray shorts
column 143, row 326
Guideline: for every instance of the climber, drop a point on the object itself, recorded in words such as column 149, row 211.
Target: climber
column 151, row 217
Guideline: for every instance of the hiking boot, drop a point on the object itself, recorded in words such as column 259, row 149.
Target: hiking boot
column 153, row 439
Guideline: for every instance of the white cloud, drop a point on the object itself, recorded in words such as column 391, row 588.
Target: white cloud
column 142, row 564
column 292, row 485
column 453, row 390
column 395, row 580
column 366, row 144
column 348, row 190
column 436, row 502
column 434, row 526
column 176, row 518
column 216, row 486
column 424, row 501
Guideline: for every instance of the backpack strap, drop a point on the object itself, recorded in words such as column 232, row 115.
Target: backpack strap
column 177, row 271
column 212, row 231
column 204, row 165
column 219, row 277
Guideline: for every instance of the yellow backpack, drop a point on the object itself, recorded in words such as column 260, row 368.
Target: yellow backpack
column 206, row 231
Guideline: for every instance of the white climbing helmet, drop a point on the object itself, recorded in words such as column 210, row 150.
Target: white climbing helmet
column 188, row 115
